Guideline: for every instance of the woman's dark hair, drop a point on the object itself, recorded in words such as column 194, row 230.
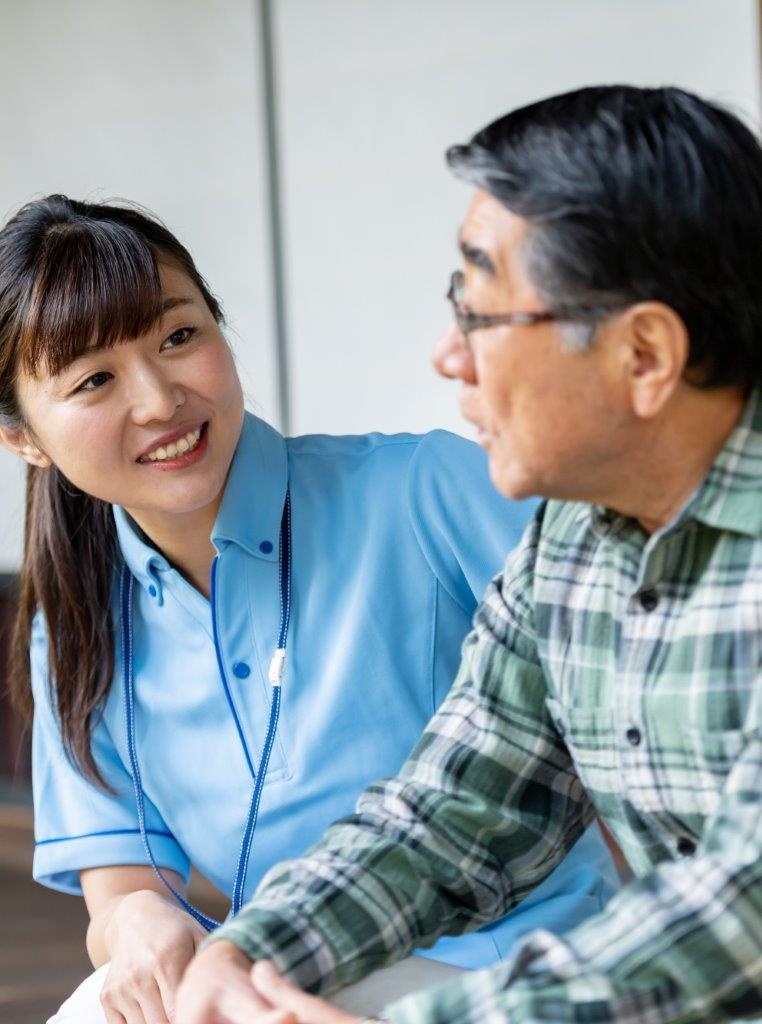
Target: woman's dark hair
column 635, row 194
column 71, row 274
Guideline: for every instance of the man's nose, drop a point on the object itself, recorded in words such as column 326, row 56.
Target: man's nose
column 452, row 356
column 153, row 396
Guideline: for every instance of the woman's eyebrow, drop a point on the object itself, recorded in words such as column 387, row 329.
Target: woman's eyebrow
column 174, row 301
column 89, row 350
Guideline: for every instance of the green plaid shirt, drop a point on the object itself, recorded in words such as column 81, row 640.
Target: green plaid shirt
column 608, row 673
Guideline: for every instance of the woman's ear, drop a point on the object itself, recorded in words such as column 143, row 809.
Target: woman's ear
column 19, row 441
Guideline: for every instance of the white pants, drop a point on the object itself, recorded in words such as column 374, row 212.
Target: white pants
column 367, row 997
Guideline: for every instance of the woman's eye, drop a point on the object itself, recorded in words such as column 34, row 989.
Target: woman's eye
column 179, row 337
column 95, row 382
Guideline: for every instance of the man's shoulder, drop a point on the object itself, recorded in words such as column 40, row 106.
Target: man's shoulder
column 556, row 527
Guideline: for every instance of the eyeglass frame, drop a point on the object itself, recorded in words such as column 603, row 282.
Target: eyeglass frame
column 468, row 322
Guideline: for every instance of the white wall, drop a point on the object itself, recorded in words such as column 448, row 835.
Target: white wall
column 159, row 101
column 371, row 95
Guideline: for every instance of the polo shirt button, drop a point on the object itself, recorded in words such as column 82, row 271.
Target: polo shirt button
column 266, row 547
column 633, row 735
column 685, row 846
column 241, row 670
column 648, row 599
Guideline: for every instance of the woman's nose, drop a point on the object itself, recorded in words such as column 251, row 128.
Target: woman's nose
column 452, row 356
column 153, row 396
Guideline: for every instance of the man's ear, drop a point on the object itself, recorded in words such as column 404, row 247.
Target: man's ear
column 19, row 441
column 657, row 349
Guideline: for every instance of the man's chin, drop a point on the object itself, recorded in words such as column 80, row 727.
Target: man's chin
column 508, row 478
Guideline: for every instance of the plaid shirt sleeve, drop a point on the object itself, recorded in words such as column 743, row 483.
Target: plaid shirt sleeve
column 487, row 805
column 683, row 943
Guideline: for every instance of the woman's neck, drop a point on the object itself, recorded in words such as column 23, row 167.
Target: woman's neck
column 184, row 539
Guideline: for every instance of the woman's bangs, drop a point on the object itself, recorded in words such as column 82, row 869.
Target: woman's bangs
column 97, row 284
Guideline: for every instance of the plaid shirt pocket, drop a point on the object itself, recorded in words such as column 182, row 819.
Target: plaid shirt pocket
column 590, row 736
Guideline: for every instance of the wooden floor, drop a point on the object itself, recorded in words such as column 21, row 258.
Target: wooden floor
column 42, row 949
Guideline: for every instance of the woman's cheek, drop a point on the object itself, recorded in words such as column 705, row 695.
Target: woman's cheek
column 88, row 451
column 218, row 376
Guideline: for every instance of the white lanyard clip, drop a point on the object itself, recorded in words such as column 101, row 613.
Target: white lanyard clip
column 277, row 667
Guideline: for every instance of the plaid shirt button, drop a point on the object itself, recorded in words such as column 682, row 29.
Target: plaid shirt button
column 685, row 846
column 634, row 735
column 648, row 600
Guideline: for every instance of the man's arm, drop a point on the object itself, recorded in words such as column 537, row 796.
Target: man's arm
column 486, row 806
column 682, row 944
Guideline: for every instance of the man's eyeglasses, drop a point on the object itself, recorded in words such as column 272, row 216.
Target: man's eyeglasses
column 468, row 322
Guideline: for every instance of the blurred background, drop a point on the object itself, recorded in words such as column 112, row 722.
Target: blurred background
column 296, row 147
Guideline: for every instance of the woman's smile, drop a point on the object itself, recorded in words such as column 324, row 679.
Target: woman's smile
column 179, row 449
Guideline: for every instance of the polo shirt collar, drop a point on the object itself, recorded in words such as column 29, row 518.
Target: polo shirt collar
column 255, row 492
column 142, row 559
column 250, row 513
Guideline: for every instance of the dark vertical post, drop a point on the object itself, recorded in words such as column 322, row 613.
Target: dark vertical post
column 267, row 54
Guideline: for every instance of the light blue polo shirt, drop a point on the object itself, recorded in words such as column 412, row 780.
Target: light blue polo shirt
column 394, row 539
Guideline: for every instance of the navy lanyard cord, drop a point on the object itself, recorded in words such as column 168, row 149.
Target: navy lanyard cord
column 275, row 678
column 285, row 572
column 251, row 821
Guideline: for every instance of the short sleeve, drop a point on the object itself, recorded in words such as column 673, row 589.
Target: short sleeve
column 463, row 525
column 77, row 823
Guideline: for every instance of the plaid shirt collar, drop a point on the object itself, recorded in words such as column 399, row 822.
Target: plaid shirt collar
column 728, row 497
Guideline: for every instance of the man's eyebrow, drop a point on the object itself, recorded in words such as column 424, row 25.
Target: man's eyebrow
column 476, row 257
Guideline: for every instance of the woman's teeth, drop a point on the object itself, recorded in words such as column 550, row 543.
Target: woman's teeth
column 171, row 451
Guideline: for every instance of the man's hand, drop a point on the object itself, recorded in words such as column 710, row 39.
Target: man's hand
column 221, row 987
column 217, row 989
column 284, row 996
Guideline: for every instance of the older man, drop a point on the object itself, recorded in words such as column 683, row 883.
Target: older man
column 607, row 333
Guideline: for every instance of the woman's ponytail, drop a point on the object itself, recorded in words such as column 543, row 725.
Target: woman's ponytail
column 67, row 574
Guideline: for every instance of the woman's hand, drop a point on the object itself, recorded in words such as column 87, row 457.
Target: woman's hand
column 143, row 935
column 150, row 942
column 222, row 987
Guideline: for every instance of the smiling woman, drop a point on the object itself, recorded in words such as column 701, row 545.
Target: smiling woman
column 176, row 546
column 76, row 280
